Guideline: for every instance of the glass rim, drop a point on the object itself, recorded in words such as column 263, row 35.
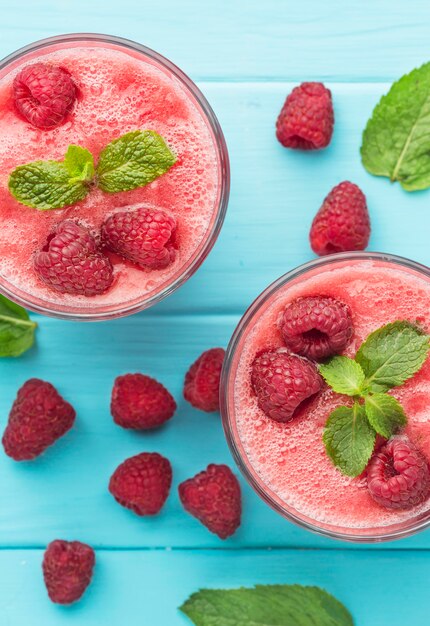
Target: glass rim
column 395, row 531
column 107, row 312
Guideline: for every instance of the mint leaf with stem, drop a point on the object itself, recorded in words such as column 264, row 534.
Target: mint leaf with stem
column 134, row 160
column 349, row 439
column 344, row 375
column 385, row 414
column 46, row 185
column 391, row 355
column 16, row 329
column 396, row 140
column 264, row 605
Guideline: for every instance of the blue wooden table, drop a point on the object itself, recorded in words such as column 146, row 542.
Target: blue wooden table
column 245, row 55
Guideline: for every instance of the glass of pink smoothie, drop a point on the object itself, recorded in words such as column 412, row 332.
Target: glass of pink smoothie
column 286, row 463
column 122, row 86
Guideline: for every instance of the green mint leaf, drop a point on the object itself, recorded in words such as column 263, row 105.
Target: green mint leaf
column 349, row 439
column 392, row 354
column 79, row 163
column 396, row 141
column 343, row 375
column 134, row 160
column 385, row 414
column 48, row 185
column 264, row 605
column 16, row 329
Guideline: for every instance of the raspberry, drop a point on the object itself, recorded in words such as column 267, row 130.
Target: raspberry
column 342, row 223
column 71, row 263
column 282, row 382
column 144, row 236
column 316, row 327
column 306, row 119
column 67, row 569
column 201, row 387
column 39, row 416
column 44, row 94
column 214, row 498
column 398, row 476
column 142, row 483
column 140, row 402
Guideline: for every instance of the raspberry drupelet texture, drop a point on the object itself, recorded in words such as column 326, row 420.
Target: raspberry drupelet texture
column 71, row 263
column 142, row 483
column 67, row 570
column 316, row 327
column 214, row 498
column 44, row 94
column 144, row 236
column 306, row 119
column 282, row 381
column 398, row 475
column 342, row 223
column 140, row 402
column 201, row 387
column 39, row 416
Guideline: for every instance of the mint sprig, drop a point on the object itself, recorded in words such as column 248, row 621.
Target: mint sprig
column 16, row 329
column 266, row 604
column 133, row 160
column 386, row 359
column 396, row 141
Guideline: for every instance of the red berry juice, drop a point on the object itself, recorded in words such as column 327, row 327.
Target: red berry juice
column 120, row 89
column 288, row 462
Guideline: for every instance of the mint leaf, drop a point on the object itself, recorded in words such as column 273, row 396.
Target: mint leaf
column 343, row 375
column 349, row 439
column 266, row 605
column 396, row 141
column 392, row 354
column 48, row 185
column 79, row 163
column 385, row 414
column 134, row 160
column 16, row 329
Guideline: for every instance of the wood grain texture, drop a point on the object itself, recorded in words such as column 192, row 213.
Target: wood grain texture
column 146, row 587
column 246, row 56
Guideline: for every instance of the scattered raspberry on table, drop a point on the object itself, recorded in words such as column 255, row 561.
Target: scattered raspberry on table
column 214, row 498
column 39, row 416
column 306, row 119
column 342, row 224
column 67, row 570
column 201, row 387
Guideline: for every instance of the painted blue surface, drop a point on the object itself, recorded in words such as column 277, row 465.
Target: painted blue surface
column 245, row 56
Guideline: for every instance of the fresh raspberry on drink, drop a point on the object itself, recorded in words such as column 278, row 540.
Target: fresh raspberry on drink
column 342, row 224
column 44, row 94
column 39, row 416
column 214, row 498
column 306, row 119
column 316, row 326
column 70, row 262
column 67, row 570
column 140, row 402
column 201, row 387
column 144, row 236
column 142, row 483
column 282, row 382
column 398, row 475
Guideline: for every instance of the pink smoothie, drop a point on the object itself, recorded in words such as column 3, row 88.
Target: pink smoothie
column 120, row 90
column 289, row 460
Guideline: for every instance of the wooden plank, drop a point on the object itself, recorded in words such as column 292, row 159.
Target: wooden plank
column 273, row 39
column 66, row 489
column 146, row 587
